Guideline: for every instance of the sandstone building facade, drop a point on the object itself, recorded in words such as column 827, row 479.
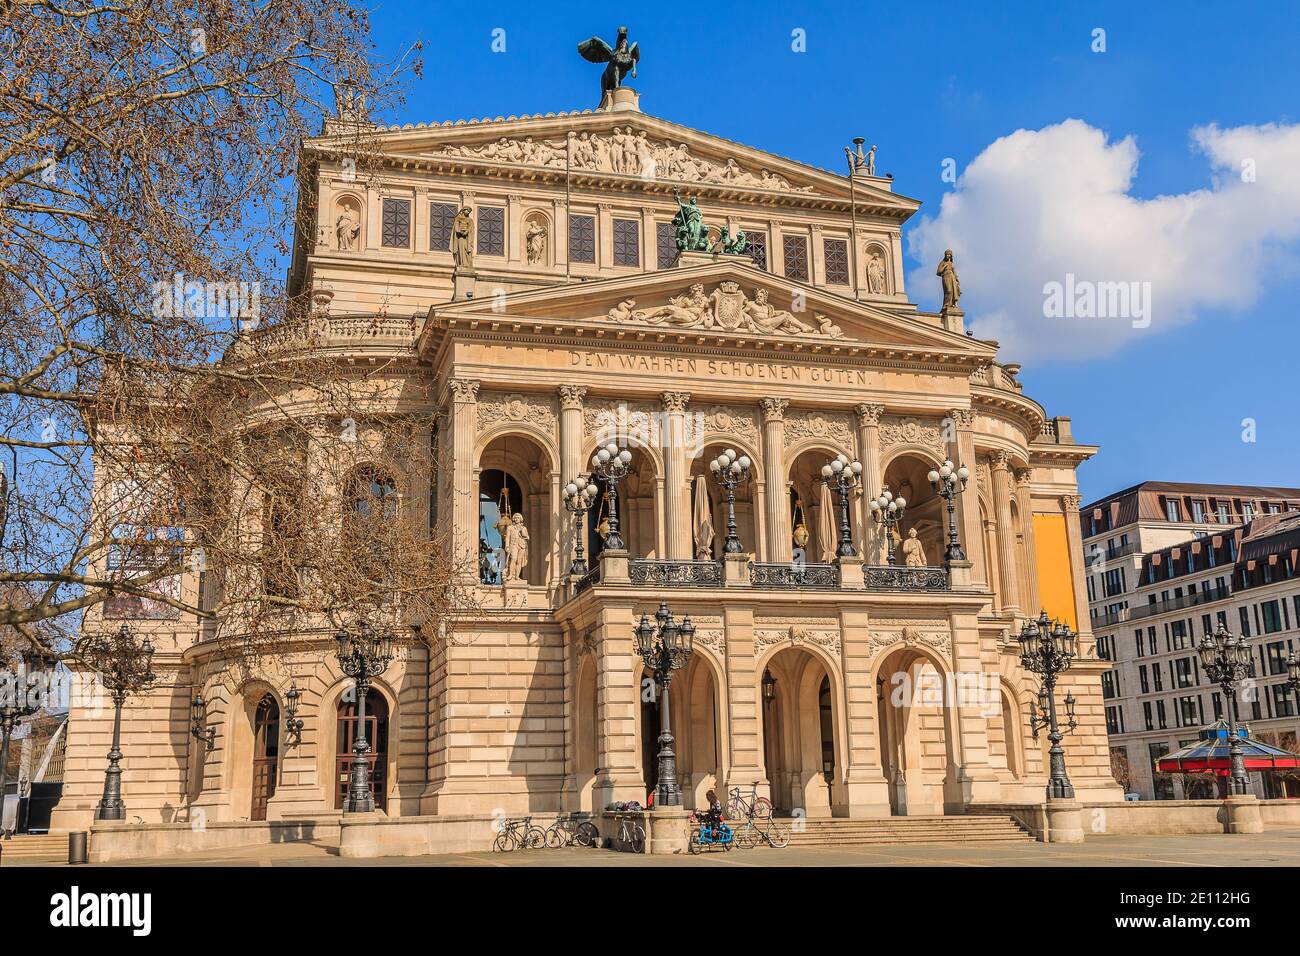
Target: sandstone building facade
column 844, row 687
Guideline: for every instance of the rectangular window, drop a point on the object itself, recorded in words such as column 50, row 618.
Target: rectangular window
column 582, row 239
column 1172, row 510
column 665, row 244
column 491, row 231
column 1183, row 672
column 1187, row 711
column 1157, row 681
column 1160, row 714
column 1224, row 511
column 836, row 253
column 1282, row 701
column 441, row 216
column 794, row 249
column 1198, row 510
column 1112, row 720
column 1272, row 617
column 1142, row 679
column 396, row 231
column 757, row 248
column 1146, row 715
column 627, row 242
column 1275, row 654
column 1245, row 621
column 1108, row 685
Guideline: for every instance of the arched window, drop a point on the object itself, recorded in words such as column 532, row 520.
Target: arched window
column 370, row 503
column 499, row 496
column 376, row 736
column 372, row 493
column 266, row 754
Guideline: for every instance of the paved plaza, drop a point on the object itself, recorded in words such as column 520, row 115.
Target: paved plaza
column 1274, row 848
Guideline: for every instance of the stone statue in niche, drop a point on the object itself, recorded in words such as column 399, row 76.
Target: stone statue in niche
column 913, row 550
column 876, row 274
column 947, row 273
column 535, row 242
column 515, row 545
column 347, row 229
column 462, row 239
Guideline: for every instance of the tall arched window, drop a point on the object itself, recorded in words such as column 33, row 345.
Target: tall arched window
column 499, row 496
column 370, row 504
column 266, row 754
column 376, row 736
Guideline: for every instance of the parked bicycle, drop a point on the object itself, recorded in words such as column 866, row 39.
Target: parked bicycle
column 709, row 831
column 571, row 831
column 631, row 835
column 519, row 834
column 755, row 831
column 748, row 805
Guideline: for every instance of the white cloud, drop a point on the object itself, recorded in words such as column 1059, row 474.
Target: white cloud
column 1040, row 205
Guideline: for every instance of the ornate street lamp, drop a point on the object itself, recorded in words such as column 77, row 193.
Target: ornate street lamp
column 579, row 494
column 665, row 646
column 730, row 471
column 611, row 463
column 16, row 703
column 198, row 713
column 1048, row 651
column 124, row 668
column 1227, row 661
column 292, row 722
column 363, row 655
column 949, row 482
column 887, row 512
column 769, row 687
column 842, row 476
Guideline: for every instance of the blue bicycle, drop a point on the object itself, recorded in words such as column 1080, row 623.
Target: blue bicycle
column 710, row 832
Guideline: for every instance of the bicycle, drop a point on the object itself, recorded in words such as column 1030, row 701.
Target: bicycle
column 570, row 831
column 750, row 834
column 631, row 835
column 519, row 834
column 739, row 807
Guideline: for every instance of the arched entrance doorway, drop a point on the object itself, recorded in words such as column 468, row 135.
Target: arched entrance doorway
column 515, row 480
column 376, row 734
column 906, row 477
column 801, row 734
column 915, row 739
column 266, row 755
column 693, row 709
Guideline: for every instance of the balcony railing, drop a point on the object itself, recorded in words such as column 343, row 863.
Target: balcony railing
column 587, row 580
column 1159, row 607
column 905, row 579
column 791, row 575
column 698, row 574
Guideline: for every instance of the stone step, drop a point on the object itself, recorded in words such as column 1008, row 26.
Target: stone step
column 26, row 846
column 900, row 830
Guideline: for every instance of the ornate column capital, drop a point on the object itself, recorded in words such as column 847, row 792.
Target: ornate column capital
column 1023, row 476
column 676, row 401
column 962, row 417
column 1000, row 460
column 774, row 408
column 571, row 397
column 464, row 389
column 1070, row 502
column 869, row 414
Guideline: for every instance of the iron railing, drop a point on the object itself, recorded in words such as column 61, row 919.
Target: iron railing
column 699, row 574
column 794, row 575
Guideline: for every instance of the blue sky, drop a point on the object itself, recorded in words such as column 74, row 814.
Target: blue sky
column 933, row 81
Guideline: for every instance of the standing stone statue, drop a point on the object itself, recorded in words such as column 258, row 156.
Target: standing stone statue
column 689, row 222
column 515, row 541
column 622, row 59
column 462, row 239
column 913, row 550
column 947, row 272
column 871, row 161
column 535, row 241
column 346, row 230
column 876, row 274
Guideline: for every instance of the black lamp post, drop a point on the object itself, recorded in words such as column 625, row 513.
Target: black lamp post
column 731, row 471
column 292, row 722
column 578, row 497
column 124, row 668
column 665, row 646
column 949, row 482
column 1226, row 659
column 887, row 512
column 841, row 476
column 1048, row 651
column 611, row 463
column 198, row 714
column 363, row 655
column 16, row 704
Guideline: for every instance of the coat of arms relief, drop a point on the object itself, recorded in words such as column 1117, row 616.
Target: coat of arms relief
column 728, row 308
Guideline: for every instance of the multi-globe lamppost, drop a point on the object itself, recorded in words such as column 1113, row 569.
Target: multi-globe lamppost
column 949, row 482
column 124, row 668
column 611, row 463
column 665, row 646
column 887, row 512
column 1048, row 649
column 17, row 702
column 731, row 471
column 579, row 494
column 842, row 476
column 1226, row 659
column 363, row 655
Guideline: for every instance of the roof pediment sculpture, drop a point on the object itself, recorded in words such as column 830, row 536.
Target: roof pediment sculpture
column 621, row 59
column 726, row 309
column 623, row 150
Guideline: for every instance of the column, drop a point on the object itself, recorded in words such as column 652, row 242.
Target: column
column 464, row 429
column 776, row 500
column 1025, row 503
column 744, row 733
column 1078, row 565
column 1001, row 467
column 872, row 479
column 571, row 462
column 961, row 449
column 617, row 702
column 676, row 493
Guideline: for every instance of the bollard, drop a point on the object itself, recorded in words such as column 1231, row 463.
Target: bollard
column 77, row 847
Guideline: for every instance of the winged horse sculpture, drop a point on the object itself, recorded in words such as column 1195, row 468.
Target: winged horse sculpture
column 621, row 60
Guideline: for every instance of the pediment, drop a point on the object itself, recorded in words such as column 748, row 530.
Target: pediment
column 727, row 301
column 621, row 144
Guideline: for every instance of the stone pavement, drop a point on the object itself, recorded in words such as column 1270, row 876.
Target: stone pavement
column 1273, row 848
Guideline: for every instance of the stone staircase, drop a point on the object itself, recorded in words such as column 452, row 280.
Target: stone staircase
column 45, row 848
column 901, row 830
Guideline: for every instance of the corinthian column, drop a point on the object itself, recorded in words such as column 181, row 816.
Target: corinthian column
column 571, row 462
column 1009, row 577
column 464, row 429
column 961, row 448
column 1025, row 502
column 775, row 497
column 872, row 480
column 677, row 493
column 1078, row 567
